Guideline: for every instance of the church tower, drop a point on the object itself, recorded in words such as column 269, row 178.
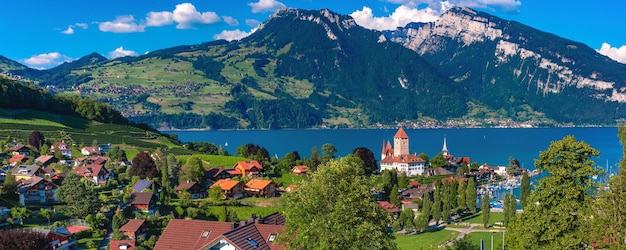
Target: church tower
column 400, row 143
column 444, row 150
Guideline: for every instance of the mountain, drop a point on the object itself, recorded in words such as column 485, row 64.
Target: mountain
column 305, row 69
column 507, row 65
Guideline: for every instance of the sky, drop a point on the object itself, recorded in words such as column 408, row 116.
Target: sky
column 42, row 33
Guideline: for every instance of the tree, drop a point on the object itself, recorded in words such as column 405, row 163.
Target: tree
column 328, row 152
column 484, row 209
column 36, row 139
column 390, row 179
column 513, row 167
column 438, row 161
column 426, row 205
column 185, row 199
column 20, row 213
column 23, row 240
column 462, row 193
column 216, row 193
column 9, row 188
column 510, row 207
column 423, row 156
column 437, row 206
column 79, row 196
column 369, row 161
column 557, row 212
column 46, row 213
column 336, row 200
column 471, row 195
column 403, row 180
column 465, row 243
column 421, row 222
column 194, row 170
column 143, row 166
column 394, row 196
column 474, row 166
column 117, row 154
column 524, row 190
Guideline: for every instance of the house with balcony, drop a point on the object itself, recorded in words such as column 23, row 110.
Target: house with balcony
column 36, row 190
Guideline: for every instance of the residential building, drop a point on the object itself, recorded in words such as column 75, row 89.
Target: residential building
column 26, row 171
column 247, row 168
column 399, row 159
column 17, row 159
column 390, row 208
column 36, row 190
column 300, row 170
column 46, row 160
column 104, row 148
column 143, row 202
column 134, row 228
column 63, row 148
column 214, row 174
column 122, row 245
column 19, row 149
column 195, row 189
column 261, row 188
column 142, row 185
column 232, row 188
column 97, row 173
column 87, row 151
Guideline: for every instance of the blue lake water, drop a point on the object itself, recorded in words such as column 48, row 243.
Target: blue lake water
column 484, row 145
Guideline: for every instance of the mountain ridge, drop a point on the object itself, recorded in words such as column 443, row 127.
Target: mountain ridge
column 331, row 72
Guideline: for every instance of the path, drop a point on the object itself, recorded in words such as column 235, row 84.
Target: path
column 471, row 229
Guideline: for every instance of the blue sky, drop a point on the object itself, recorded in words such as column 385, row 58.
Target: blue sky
column 44, row 33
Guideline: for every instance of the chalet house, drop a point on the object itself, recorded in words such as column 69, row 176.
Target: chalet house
column 134, row 228
column 199, row 234
column 416, row 193
column 36, row 190
column 300, row 170
column 46, row 160
column 122, row 245
column 17, row 159
column 214, row 174
column 58, row 238
column 86, row 151
column 390, row 208
column 27, row 171
column 143, row 202
column 98, row 174
column 63, row 148
column 19, row 149
column 261, row 188
column 195, row 189
column 232, row 188
column 247, row 168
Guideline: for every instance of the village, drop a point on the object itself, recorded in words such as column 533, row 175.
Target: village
column 151, row 215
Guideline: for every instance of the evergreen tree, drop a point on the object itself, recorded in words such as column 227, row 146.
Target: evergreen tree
column 421, row 222
column 436, row 208
column 471, row 195
column 510, row 206
column 558, row 211
column 426, row 206
column 394, row 196
column 9, row 188
column 462, row 193
column 524, row 189
column 513, row 167
column 484, row 209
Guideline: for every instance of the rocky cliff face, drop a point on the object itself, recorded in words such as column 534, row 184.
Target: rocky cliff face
column 505, row 52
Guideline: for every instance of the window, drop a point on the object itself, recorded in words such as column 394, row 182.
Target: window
column 205, row 234
column 272, row 237
column 252, row 242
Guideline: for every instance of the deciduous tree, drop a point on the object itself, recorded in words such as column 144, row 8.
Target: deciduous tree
column 438, row 161
column 23, row 240
column 20, row 213
column 513, row 167
column 369, row 161
column 36, row 139
column 143, row 166
column 46, row 213
column 193, row 170
column 337, row 200
column 558, row 211
column 79, row 196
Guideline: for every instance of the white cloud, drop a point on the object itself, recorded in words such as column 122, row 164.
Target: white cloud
column 253, row 23
column 186, row 15
column 122, row 24
column 68, row 31
column 400, row 17
column 230, row 35
column 230, row 20
column 47, row 60
column 121, row 52
column 266, row 6
column 82, row 25
column 502, row 4
column 617, row 54
column 159, row 18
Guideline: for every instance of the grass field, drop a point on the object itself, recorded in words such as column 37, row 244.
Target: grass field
column 478, row 218
column 486, row 237
column 429, row 240
column 214, row 160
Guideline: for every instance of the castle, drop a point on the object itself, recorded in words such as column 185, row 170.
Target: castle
column 398, row 157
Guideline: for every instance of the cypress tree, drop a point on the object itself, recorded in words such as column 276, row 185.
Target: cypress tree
column 524, row 189
column 471, row 195
column 484, row 209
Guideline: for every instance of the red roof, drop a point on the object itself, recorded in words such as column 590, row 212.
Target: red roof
column 90, row 170
column 258, row 184
column 300, row 169
column 132, row 225
column 401, row 134
column 17, row 158
column 403, row 159
column 247, row 165
column 44, row 159
column 191, row 234
column 141, row 198
column 391, row 208
column 185, row 185
column 122, row 244
column 414, row 183
column 225, row 184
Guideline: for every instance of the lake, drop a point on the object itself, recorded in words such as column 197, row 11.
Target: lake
column 484, row 145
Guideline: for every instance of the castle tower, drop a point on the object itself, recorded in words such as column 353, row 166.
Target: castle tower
column 445, row 147
column 400, row 143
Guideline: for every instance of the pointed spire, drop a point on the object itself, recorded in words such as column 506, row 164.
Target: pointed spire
column 445, row 146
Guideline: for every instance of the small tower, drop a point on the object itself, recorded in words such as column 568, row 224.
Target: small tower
column 400, row 143
column 444, row 150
